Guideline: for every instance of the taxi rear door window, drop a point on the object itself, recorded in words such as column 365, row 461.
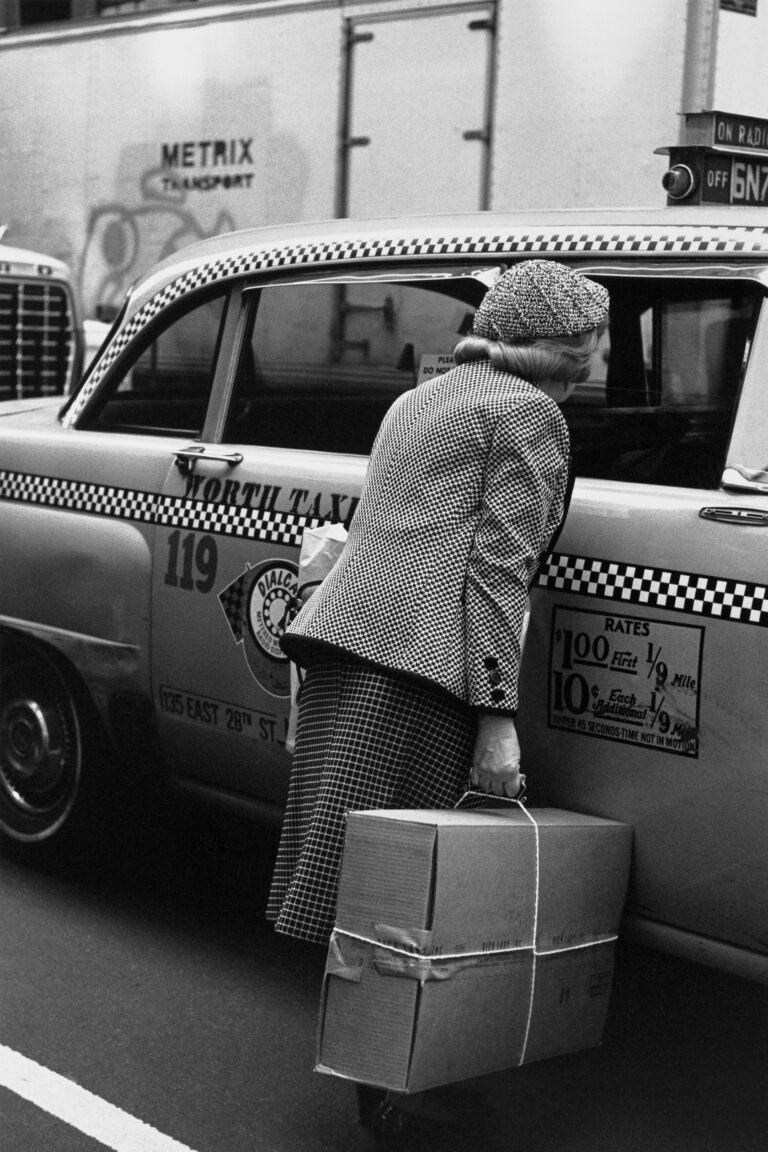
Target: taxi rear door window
column 659, row 405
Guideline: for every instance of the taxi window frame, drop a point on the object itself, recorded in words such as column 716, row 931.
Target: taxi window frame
column 138, row 344
column 731, row 475
column 89, row 371
column 741, row 473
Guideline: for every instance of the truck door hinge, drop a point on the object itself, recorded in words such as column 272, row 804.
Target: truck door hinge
column 359, row 37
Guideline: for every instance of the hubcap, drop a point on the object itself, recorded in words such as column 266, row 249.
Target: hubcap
column 39, row 751
column 32, row 746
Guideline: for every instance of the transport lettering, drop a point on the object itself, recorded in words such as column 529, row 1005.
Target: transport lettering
column 206, row 183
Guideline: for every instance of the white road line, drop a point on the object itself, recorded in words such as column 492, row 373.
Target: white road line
column 80, row 1108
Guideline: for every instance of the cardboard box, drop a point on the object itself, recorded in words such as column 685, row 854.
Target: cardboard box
column 445, row 966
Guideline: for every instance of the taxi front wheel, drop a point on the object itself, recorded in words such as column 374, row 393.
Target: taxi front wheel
column 41, row 749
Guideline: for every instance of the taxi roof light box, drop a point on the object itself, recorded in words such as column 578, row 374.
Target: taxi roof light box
column 432, row 965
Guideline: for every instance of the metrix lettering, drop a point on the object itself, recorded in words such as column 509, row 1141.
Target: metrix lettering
column 207, row 153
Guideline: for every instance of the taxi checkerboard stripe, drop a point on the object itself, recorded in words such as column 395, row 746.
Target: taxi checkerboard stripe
column 148, row 507
column 688, row 592
column 722, row 239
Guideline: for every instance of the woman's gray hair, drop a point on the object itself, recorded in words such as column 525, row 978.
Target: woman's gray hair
column 565, row 359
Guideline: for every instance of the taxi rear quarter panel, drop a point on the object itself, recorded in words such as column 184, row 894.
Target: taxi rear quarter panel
column 78, row 583
column 697, row 801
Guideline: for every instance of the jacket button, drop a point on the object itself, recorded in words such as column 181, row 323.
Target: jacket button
column 491, row 662
column 494, row 677
column 498, row 695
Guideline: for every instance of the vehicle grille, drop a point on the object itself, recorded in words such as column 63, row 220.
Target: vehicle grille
column 36, row 339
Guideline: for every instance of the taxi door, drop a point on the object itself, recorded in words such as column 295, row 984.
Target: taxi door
column 224, row 578
column 643, row 690
column 224, row 583
column 307, row 371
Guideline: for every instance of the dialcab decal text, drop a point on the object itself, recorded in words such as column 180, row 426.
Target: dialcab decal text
column 256, row 605
column 626, row 678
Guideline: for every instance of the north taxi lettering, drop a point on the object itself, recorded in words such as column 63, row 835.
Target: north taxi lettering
column 334, row 507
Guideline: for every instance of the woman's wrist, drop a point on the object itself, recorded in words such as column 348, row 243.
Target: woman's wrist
column 495, row 723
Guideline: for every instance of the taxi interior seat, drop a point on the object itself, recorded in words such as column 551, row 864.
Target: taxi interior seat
column 725, row 343
column 150, row 414
column 695, row 464
column 308, row 407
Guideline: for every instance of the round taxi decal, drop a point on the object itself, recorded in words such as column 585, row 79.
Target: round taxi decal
column 256, row 606
column 270, row 598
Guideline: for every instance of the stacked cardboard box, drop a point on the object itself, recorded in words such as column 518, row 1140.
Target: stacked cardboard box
column 469, row 941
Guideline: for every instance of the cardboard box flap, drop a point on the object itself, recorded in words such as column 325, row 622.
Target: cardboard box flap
column 485, row 887
column 582, row 879
column 367, row 1024
column 474, row 1023
column 439, row 882
column 386, row 876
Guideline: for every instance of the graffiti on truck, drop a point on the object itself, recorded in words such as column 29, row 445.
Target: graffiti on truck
column 122, row 241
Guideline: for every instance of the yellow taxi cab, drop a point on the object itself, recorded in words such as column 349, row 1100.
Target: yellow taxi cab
column 150, row 528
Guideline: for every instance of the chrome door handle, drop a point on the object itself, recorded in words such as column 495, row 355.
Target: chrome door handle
column 754, row 517
column 186, row 457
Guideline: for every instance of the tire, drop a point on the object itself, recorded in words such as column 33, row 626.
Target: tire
column 41, row 749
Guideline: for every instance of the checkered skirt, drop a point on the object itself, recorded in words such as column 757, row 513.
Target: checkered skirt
column 365, row 739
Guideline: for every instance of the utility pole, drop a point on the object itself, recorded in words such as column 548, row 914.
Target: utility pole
column 700, row 57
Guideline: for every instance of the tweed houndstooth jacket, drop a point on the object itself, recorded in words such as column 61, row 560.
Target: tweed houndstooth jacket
column 466, row 485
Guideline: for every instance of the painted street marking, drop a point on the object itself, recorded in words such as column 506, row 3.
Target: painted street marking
column 79, row 1108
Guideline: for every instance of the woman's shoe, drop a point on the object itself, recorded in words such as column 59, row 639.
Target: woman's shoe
column 369, row 1100
column 395, row 1130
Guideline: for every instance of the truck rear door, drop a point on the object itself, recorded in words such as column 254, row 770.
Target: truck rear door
column 433, row 73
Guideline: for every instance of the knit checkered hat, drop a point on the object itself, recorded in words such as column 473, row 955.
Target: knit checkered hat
column 537, row 299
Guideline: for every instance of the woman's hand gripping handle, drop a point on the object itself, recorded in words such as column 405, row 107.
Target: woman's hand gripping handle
column 496, row 760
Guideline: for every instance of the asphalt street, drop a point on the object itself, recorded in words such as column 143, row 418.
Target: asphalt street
column 143, row 972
